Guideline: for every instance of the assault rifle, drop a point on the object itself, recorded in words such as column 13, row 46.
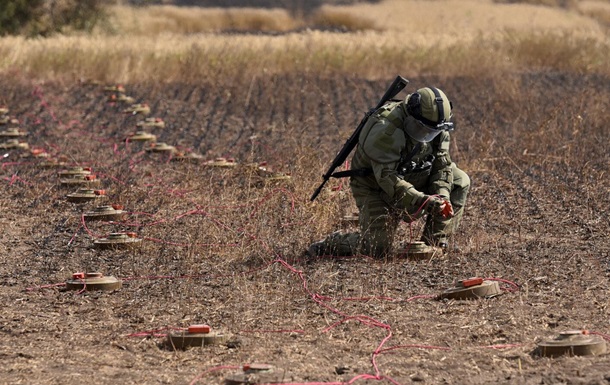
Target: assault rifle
column 397, row 85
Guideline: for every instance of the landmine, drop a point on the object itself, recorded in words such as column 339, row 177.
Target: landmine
column 189, row 157
column 161, row 147
column 418, row 250
column 194, row 336
column 261, row 170
column 14, row 144
column 573, row 343
column 125, row 99
column 74, row 171
column 37, row 152
column 52, row 163
column 93, row 281
column 221, row 163
column 8, row 120
column 84, row 195
column 122, row 98
column 472, row 288
column 4, row 110
column 78, row 180
column 118, row 241
column 119, row 88
column 151, row 122
column 252, row 374
column 141, row 136
column 13, row 133
column 138, row 108
column 105, row 213
column 268, row 175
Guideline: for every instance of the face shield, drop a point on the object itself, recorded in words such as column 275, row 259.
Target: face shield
column 421, row 132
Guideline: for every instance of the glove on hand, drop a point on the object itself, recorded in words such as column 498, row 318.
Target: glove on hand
column 436, row 205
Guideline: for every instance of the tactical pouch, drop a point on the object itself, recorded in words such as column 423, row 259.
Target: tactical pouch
column 417, row 173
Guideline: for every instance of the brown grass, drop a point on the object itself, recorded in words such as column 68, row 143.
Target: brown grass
column 534, row 145
column 155, row 20
column 167, row 43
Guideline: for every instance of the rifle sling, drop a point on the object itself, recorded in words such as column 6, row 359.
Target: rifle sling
column 368, row 171
column 350, row 173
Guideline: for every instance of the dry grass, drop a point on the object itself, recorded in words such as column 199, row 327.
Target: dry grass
column 468, row 19
column 155, row 20
column 597, row 10
column 177, row 44
column 534, row 145
column 179, row 58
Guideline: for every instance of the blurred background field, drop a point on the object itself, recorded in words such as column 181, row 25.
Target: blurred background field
column 174, row 43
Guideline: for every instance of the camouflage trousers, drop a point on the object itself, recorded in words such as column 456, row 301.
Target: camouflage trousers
column 378, row 222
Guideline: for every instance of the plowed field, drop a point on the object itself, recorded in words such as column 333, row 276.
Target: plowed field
column 225, row 248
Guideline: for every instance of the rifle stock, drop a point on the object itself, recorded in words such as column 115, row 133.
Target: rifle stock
column 397, row 85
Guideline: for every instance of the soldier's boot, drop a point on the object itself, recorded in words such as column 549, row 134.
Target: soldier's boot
column 337, row 244
column 434, row 233
column 316, row 249
column 437, row 231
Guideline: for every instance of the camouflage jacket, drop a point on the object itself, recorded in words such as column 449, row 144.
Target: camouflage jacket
column 385, row 148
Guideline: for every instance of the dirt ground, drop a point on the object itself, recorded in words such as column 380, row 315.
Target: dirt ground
column 223, row 249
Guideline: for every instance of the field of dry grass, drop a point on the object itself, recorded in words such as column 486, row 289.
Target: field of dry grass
column 225, row 246
column 173, row 44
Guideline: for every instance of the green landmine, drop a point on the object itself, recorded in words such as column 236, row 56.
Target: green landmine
column 418, row 250
column 14, row 144
column 51, row 162
column 194, row 336
column 261, row 176
column 92, row 282
column 105, row 213
column 138, row 109
column 37, row 153
column 74, row 172
column 121, row 98
column 141, row 136
column 118, row 241
column 5, row 119
column 161, row 147
column 119, row 88
column 221, row 163
column 84, row 195
column 151, row 122
column 81, row 180
column 13, row 133
column 573, row 343
column 472, row 288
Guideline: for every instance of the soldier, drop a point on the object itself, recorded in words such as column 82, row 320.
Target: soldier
column 402, row 170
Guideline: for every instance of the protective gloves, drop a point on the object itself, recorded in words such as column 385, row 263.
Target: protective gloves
column 437, row 205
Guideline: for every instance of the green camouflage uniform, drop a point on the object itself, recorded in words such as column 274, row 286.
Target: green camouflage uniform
column 384, row 197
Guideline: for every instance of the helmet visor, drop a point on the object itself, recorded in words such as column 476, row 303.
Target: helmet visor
column 421, row 132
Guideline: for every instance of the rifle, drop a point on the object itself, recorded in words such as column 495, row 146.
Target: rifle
column 397, row 85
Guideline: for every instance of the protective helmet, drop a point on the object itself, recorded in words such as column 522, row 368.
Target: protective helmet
column 431, row 108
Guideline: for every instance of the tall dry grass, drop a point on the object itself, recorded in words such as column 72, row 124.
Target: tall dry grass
column 155, row 20
column 180, row 44
column 178, row 58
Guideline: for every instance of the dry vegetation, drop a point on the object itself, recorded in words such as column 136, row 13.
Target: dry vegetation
column 225, row 248
column 476, row 37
